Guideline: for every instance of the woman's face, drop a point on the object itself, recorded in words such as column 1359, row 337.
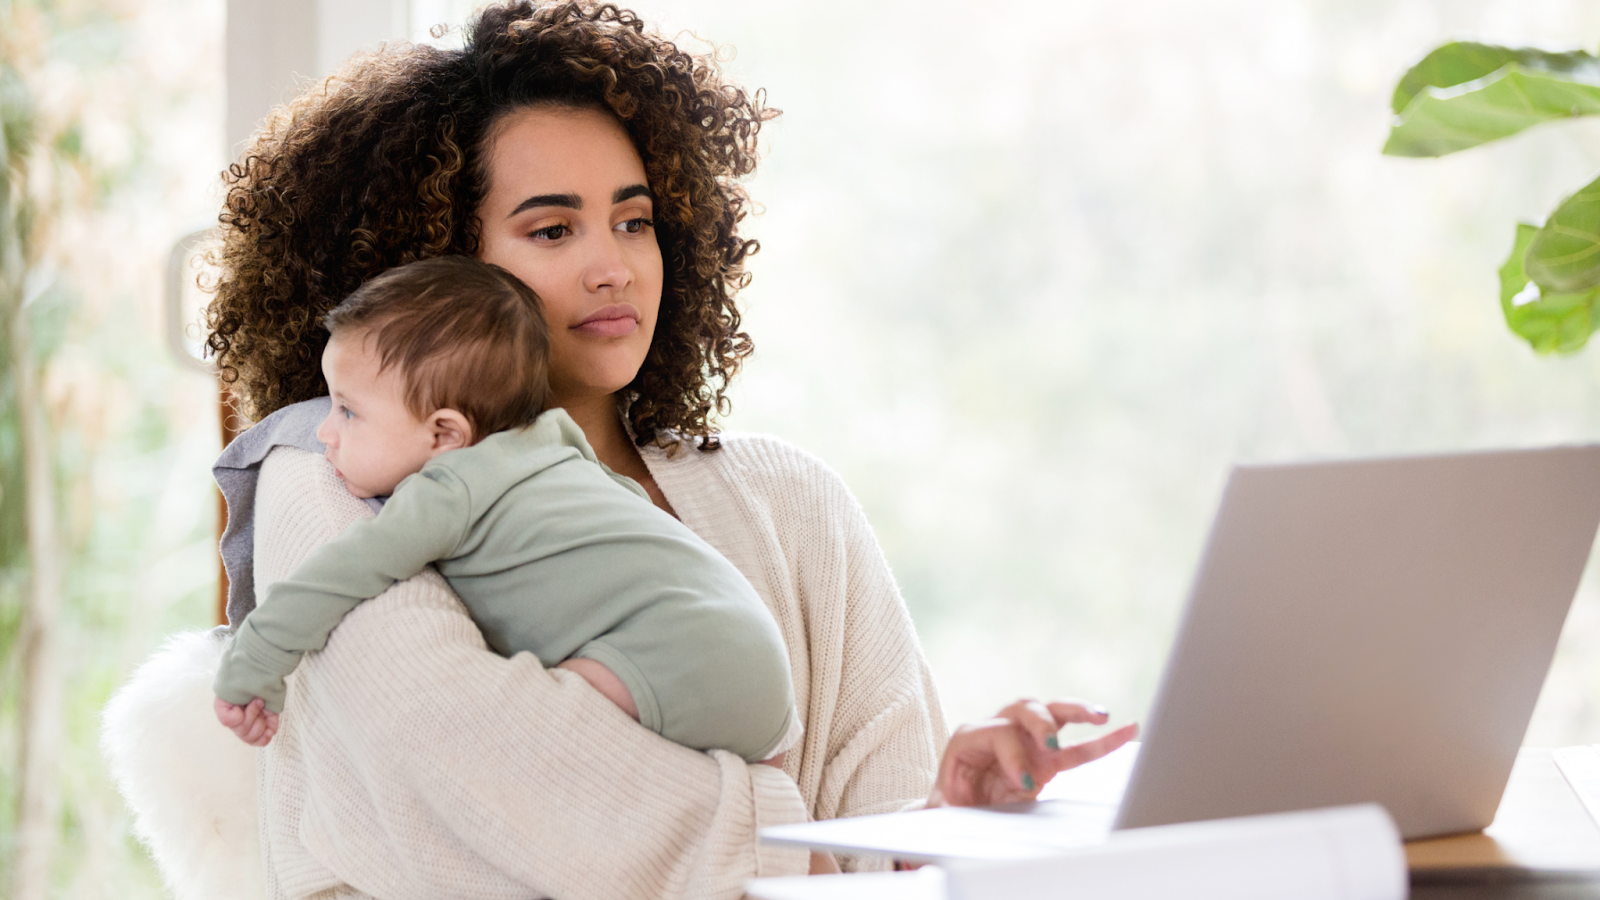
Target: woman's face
column 568, row 212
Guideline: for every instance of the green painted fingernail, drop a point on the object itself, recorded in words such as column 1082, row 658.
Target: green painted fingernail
column 1027, row 781
column 1052, row 743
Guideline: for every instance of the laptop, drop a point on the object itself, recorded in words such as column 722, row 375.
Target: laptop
column 1358, row 631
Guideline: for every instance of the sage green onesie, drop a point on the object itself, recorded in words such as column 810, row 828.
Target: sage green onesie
column 554, row 555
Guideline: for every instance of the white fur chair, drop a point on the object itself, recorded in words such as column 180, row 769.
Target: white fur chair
column 190, row 783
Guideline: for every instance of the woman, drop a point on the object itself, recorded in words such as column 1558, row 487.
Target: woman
column 599, row 164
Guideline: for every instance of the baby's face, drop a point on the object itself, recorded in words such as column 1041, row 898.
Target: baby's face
column 373, row 440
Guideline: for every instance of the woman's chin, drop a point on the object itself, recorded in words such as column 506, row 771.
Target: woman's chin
column 598, row 382
column 592, row 365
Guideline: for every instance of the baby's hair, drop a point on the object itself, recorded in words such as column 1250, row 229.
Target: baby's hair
column 467, row 336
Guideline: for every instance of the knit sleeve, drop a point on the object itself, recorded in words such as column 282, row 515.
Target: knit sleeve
column 887, row 730
column 874, row 727
column 424, row 521
column 413, row 762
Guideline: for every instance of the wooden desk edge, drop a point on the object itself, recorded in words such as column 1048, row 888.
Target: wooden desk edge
column 1541, row 830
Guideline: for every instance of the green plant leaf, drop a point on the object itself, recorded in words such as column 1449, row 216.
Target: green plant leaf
column 1565, row 255
column 1465, row 94
column 1457, row 63
column 1549, row 322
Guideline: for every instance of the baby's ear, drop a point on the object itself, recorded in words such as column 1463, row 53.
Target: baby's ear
column 451, row 430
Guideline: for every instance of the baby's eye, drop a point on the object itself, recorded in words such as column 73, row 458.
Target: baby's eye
column 636, row 226
column 551, row 233
column 344, row 411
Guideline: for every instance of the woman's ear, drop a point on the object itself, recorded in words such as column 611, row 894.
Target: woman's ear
column 451, row 430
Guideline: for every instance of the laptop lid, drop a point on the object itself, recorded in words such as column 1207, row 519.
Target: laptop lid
column 1373, row 630
column 1359, row 631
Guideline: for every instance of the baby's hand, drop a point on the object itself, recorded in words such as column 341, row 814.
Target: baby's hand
column 254, row 724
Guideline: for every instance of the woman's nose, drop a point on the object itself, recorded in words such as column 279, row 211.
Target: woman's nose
column 607, row 266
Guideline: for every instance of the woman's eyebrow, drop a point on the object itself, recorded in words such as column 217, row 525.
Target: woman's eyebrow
column 629, row 192
column 570, row 201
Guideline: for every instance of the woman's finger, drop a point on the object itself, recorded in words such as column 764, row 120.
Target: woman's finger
column 1091, row 750
column 1042, row 721
column 1034, row 718
column 1009, row 744
column 1071, row 711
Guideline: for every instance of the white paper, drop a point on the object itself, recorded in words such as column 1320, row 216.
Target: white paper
column 1342, row 853
column 956, row 832
column 923, row 884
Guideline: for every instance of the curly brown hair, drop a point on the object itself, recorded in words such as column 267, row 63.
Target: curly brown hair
column 385, row 163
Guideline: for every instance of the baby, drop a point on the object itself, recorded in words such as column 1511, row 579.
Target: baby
column 437, row 373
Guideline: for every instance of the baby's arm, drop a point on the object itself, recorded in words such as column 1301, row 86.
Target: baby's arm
column 605, row 681
column 423, row 521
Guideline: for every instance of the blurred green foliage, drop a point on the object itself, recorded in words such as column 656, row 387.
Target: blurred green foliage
column 85, row 213
column 16, row 121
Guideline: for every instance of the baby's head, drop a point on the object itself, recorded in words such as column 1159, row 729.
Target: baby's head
column 429, row 357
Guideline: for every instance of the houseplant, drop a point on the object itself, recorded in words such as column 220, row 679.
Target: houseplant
column 1464, row 94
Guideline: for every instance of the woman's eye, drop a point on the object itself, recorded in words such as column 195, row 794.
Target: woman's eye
column 551, row 233
column 636, row 226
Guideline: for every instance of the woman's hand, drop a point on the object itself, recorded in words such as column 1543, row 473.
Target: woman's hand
column 1009, row 758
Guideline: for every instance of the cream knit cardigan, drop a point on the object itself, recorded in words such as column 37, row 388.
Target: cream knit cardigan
column 413, row 762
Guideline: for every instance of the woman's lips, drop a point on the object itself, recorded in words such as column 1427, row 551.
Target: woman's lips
column 616, row 320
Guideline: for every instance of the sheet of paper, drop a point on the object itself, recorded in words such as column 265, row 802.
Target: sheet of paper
column 1101, row 782
column 1078, row 809
column 923, row 884
column 1342, row 853
column 953, row 833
